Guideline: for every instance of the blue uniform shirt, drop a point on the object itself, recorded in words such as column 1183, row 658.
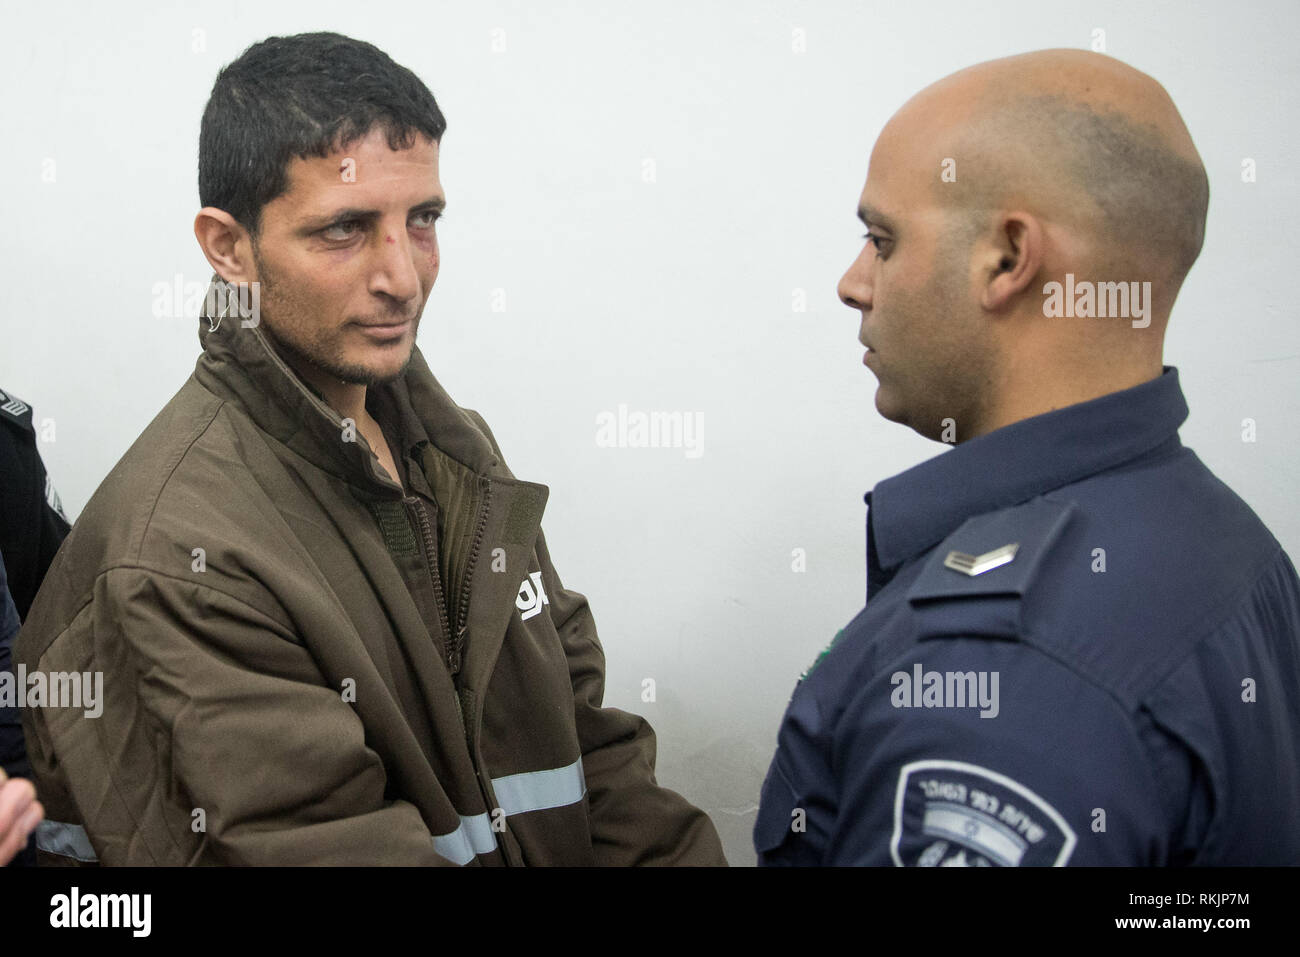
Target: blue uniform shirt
column 1079, row 647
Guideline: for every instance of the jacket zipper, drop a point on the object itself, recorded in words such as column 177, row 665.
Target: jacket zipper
column 462, row 616
column 456, row 642
column 431, row 557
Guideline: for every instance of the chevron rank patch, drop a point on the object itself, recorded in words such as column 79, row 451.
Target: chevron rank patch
column 953, row 814
column 972, row 565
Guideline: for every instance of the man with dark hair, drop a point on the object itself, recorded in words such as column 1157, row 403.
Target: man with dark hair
column 1079, row 646
column 329, row 626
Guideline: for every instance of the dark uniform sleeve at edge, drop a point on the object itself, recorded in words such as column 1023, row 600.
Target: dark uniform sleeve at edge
column 31, row 528
column 13, row 753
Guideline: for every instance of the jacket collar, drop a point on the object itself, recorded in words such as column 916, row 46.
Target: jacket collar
column 240, row 365
column 915, row 510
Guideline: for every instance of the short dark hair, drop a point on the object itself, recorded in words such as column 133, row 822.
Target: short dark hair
column 1148, row 196
column 297, row 97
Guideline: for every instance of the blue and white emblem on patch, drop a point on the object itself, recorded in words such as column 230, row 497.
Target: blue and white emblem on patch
column 953, row 814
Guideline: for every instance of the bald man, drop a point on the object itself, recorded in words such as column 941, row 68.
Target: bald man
column 1079, row 646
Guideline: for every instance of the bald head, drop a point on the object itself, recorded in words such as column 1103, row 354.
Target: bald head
column 1079, row 138
column 990, row 187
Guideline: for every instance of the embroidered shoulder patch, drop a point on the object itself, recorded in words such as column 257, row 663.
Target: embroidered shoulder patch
column 952, row 814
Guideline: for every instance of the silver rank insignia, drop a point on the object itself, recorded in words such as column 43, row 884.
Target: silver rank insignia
column 973, row 565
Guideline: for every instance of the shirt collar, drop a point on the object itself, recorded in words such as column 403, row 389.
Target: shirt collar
column 915, row 510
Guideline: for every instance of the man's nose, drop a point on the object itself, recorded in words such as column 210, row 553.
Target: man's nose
column 854, row 288
column 395, row 274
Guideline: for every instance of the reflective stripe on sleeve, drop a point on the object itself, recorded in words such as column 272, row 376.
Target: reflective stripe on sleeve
column 516, row 794
column 472, row 836
column 538, row 790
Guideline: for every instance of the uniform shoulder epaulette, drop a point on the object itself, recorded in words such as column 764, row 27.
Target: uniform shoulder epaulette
column 993, row 558
column 15, row 410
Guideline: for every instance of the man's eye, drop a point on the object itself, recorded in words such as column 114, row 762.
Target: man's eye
column 876, row 241
column 425, row 220
column 341, row 231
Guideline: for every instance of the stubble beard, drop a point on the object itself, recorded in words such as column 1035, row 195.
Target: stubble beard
column 303, row 346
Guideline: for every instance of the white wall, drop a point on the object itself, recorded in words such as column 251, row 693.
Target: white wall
column 675, row 295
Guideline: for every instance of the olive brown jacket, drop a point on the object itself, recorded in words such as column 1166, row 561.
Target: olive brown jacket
column 304, row 663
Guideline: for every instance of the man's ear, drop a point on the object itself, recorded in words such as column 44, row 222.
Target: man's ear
column 226, row 245
column 1010, row 259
